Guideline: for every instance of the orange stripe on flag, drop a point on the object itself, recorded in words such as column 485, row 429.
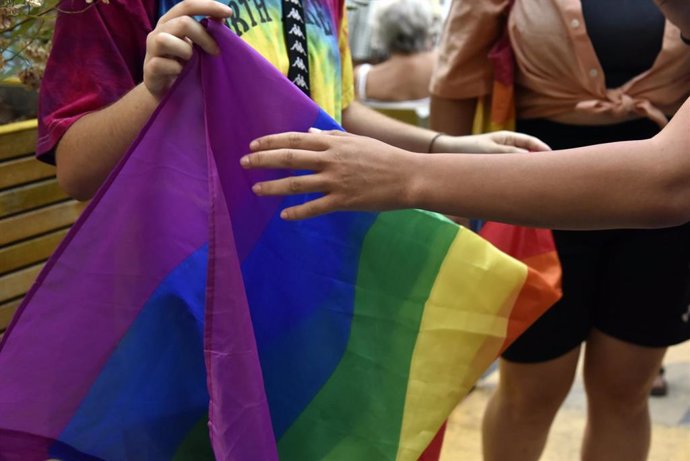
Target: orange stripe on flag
column 540, row 291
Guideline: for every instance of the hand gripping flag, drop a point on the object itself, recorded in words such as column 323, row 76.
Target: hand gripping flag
column 182, row 319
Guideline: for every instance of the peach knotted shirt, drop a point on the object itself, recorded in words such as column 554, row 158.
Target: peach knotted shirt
column 558, row 74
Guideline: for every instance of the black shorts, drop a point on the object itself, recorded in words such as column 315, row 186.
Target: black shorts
column 629, row 284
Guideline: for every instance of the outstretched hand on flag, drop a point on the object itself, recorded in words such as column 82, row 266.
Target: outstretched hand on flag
column 353, row 172
column 356, row 172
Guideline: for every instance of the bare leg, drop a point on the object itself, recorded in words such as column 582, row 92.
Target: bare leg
column 519, row 414
column 618, row 377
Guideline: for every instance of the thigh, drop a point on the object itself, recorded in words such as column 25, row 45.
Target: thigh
column 543, row 385
column 616, row 370
column 643, row 296
column 568, row 322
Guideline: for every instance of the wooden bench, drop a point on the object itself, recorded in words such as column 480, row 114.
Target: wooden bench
column 35, row 214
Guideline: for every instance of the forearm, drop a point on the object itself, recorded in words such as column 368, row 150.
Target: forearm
column 94, row 144
column 361, row 120
column 628, row 184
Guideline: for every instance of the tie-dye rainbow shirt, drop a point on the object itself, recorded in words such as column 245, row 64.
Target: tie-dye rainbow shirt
column 98, row 55
column 258, row 22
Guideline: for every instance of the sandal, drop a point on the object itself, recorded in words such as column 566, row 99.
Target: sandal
column 660, row 386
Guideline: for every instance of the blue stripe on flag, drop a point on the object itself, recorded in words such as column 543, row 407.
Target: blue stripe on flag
column 152, row 390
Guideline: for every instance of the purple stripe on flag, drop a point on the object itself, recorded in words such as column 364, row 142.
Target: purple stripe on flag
column 118, row 248
column 234, row 77
column 240, row 421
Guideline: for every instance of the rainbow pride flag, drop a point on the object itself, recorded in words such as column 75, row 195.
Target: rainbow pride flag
column 182, row 319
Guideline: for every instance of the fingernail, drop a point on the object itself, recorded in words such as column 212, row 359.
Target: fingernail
column 314, row 130
column 244, row 161
column 283, row 214
column 256, row 188
column 254, row 144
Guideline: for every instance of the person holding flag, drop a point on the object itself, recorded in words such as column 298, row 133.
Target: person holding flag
column 135, row 52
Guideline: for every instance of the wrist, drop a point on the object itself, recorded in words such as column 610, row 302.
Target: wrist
column 447, row 144
column 151, row 96
column 412, row 181
column 434, row 142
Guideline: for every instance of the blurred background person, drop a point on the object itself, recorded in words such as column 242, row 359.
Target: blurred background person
column 587, row 72
column 403, row 38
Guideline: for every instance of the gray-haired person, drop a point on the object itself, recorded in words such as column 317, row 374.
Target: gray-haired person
column 403, row 34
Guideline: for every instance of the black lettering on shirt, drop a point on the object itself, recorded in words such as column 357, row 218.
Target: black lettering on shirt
column 236, row 19
column 251, row 8
column 248, row 8
column 263, row 11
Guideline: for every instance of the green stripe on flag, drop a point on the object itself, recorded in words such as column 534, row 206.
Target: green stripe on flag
column 400, row 258
column 197, row 445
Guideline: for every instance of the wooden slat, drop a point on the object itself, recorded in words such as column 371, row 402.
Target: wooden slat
column 7, row 311
column 29, row 252
column 32, row 196
column 23, row 170
column 17, row 283
column 29, row 224
column 17, row 138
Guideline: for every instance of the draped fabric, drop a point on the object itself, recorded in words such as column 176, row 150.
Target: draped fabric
column 182, row 319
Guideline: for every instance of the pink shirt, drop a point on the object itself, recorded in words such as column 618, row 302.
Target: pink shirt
column 558, row 74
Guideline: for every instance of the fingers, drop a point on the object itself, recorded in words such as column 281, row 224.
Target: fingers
column 310, row 209
column 178, row 22
column 523, row 141
column 291, row 140
column 170, row 44
column 197, row 8
column 169, row 36
column 165, row 44
column 330, row 132
column 293, row 159
column 291, row 185
column 163, row 67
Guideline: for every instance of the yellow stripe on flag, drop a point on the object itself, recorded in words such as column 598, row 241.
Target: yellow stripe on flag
column 461, row 333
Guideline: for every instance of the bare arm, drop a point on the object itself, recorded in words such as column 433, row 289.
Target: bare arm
column 361, row 120
column 678, row 12
column 93, row 145
column 626, row 184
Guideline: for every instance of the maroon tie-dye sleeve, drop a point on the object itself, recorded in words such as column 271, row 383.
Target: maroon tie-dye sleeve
column 97, row 56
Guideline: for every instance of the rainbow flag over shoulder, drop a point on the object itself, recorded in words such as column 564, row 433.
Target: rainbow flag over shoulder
column 181, row 319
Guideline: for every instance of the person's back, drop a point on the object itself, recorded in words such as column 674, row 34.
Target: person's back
column 404, row 32
column 400, row 78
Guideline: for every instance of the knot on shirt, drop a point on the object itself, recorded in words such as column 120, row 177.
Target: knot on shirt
column 621, row 101
column 621, row 105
